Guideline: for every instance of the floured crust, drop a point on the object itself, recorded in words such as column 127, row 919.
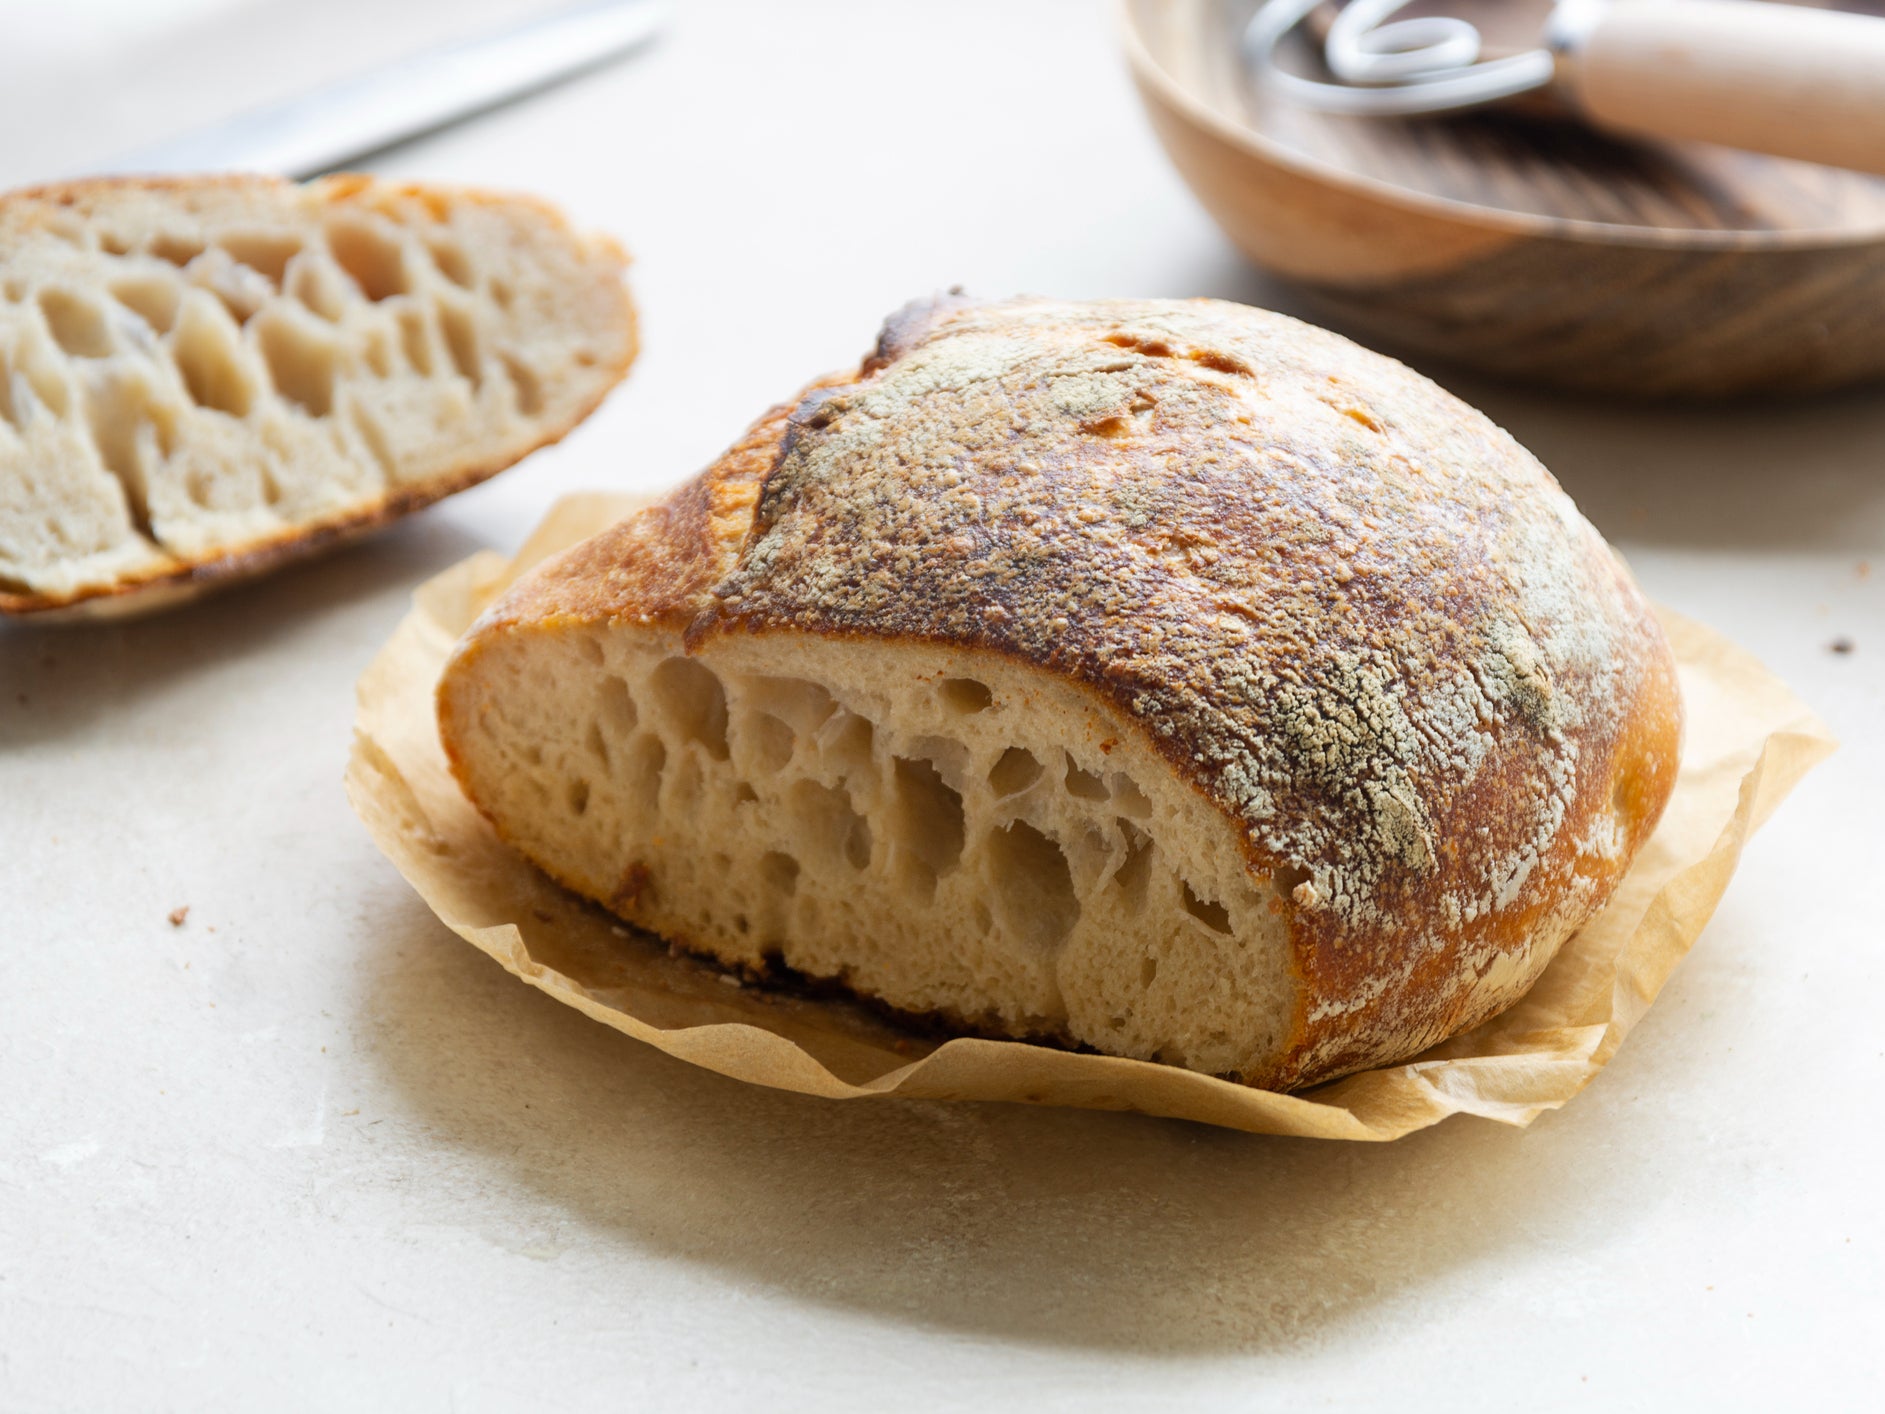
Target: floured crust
column 86, row 243
column 1343, row 607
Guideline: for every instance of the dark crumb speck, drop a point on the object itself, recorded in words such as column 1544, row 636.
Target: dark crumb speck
column 1841, row 644
column 177, row 915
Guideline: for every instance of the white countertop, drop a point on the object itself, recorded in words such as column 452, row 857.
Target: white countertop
column 309, row 1150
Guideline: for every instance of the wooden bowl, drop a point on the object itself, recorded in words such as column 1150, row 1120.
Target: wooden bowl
column 1524, row 245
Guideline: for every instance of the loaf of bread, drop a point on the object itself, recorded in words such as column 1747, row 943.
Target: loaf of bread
column 1171, row 679
column 202, row 377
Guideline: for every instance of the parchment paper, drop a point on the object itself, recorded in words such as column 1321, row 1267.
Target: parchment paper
column 1749, row 741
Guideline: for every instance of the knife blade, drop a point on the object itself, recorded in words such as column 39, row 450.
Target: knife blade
column 345, row 121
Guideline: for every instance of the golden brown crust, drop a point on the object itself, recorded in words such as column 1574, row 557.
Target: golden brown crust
column 175, row 580
column 1347, row 609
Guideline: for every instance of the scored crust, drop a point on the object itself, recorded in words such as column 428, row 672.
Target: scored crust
column 1336, row 603
column 204, row 377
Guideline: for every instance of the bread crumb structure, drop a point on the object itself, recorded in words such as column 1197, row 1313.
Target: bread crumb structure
column 199, row 375
column 1167, row 678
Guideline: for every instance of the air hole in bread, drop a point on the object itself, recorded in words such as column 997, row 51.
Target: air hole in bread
column 591, row 648
column 376, row 352
column 845, row 742
column 770, row 740
column 578, row 797
column 949, row 756
column 524, row 379
column 114, row 242
column 452, row 261
column 1148, row 973
column 598, row 745
column 115, row 433
column 779, row 872
column 683, row 784
column 829, row 823
column 301, row 362
column 177, row 249
column 647, row 761
column 1084, row 785
column 241, row 290
column 1209, row 912
column 461, row 342
column 692, row 701
column 1135, row 869
column 210, row 360
column 152, row 297
column 619, row 714
column 40, row 384
column 965, row 695
column 77, row 323
column 926, row 823
column 1015, row 770
column 803, row 706
column 312, row 283
column 69, row 228
column 1129, row 798
column 265, row 252
column 1034, row 895
column 373, row 261
column 501, row 292
column 33, row 390
column 1090, row 856
column 415, row 340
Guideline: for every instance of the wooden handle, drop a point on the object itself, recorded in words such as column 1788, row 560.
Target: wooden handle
column 1768, row 78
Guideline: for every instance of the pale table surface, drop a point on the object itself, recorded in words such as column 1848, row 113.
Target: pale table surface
column 309, row 1150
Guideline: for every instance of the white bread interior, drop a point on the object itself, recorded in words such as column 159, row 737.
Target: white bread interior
column 200, row 370
column 943, row 831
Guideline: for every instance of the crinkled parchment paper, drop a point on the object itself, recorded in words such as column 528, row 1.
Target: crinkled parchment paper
column 1749, row 741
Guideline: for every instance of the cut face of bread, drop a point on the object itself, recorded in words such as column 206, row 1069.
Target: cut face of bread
column 199, row 377
column 939, row 830
column 1169, row 678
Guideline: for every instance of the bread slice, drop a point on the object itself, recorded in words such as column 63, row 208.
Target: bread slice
column 1168, row 678
column 202, row 377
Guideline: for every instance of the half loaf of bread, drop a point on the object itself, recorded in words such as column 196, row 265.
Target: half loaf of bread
column 201, row 377
column 1171, row 679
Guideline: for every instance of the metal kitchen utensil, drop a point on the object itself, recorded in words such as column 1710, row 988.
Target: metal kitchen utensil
column 1531, row 247
column 344, row 122
column 1780, row 79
